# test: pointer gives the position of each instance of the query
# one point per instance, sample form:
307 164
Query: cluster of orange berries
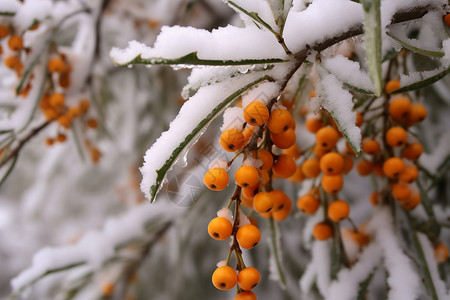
15 46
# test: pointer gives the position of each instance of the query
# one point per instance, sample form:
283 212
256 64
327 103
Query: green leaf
10 169
192 59
253 15
372 34
161 173
7 13
416 49
425 81
363 286
353 88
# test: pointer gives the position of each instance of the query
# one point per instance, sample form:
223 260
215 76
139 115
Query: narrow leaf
10 169
372 34
426 78
425 52
192 59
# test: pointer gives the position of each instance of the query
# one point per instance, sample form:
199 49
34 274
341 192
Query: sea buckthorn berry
401 191
364 167
266 157
348 164
246 176
312 94
311 168
440 253
285 166
392 85
322 231
12 62
56 65
220 228
284 140
224 278
84 106
298 175
263 177
107 289
64 121
64 80
73 112
293 151
338 210
1 50
332 183
393 167
313 124
412 151
232 140
358 237
327 137
4 31
280 120
283 213
256 113
409 174
396 136
95 155
319 151
248 278
248 132
15 43
245 295
61 138
359 119
399 109
411 202
371 147
248 236
332 163
250 191
378 170
247 201
49 141
263 202
216 179
418 113
374 198
308 204
57 101
92 123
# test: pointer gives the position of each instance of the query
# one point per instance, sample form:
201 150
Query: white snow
233 117
33 10
260 7
262 93
318 269
11 6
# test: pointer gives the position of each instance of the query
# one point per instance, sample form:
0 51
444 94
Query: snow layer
9 6
318 269
31 11
227 43
260 7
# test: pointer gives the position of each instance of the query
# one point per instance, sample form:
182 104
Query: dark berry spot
324 144
223 284
255 244
330 170
245 184
285 128
213 186
216 235
252 121
281 207
399 143
231 146
268 209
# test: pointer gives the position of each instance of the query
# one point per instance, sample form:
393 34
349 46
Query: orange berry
409 174
263 202
56 65
15 43
12 62
64 121
440 252
371 147
266 157
64 80
348 164
311 168
293 151
399 109
392 85
250 191
332 183
232 140
312 94
393 167
4 31
280 120
92 123
411 202
401 191
358 237
1 50
216 179
224 278
73 112
412 151
396 136
447 20
327 137
364 167
332 163
247 201
95 155
298 175
50 114
248 278
319 151
248 132
245 295
418 113
107 289
378 170
84 106
49 141
284 140
256 113
284 212
338 210
220 228
374 198
308 204
279 199
61 137
57 101
246 176
285 166
359 119
322 231
313 124
248 236
263 176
